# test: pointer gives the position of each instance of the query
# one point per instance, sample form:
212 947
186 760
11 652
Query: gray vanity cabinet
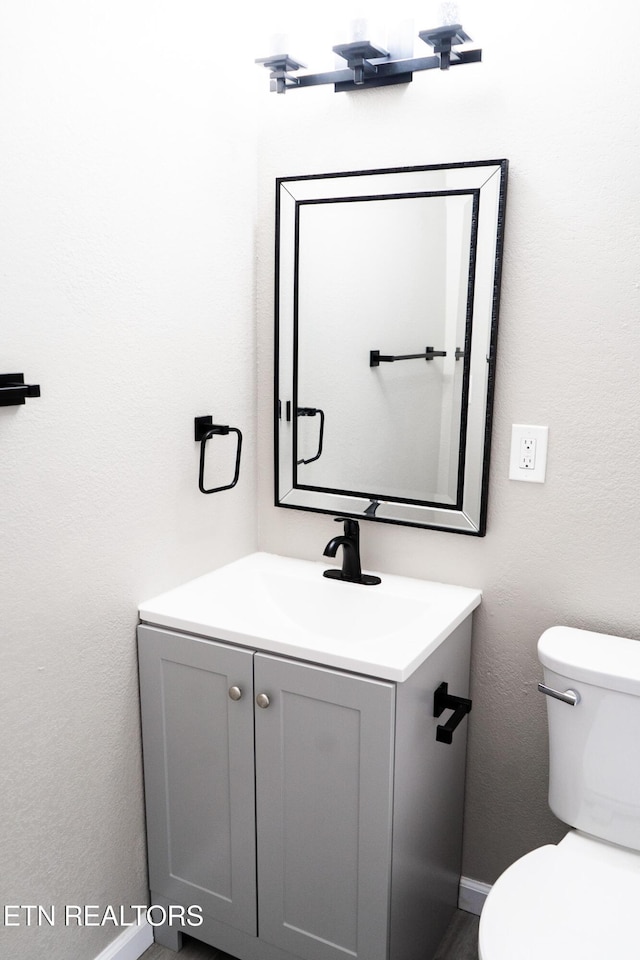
199 780
324 769
308 811
314 788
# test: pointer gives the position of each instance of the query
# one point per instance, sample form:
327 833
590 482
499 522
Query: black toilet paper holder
443 700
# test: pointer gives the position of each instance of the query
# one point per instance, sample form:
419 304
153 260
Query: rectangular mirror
387 293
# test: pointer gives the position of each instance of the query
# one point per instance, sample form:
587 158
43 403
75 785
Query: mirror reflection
387 311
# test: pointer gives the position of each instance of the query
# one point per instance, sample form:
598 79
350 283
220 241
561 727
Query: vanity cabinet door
324 782
199 773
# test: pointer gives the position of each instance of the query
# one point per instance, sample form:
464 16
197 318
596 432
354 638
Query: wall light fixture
369 65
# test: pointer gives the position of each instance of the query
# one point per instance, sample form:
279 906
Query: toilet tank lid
596 658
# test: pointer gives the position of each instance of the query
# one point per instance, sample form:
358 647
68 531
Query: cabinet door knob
235 693
263 700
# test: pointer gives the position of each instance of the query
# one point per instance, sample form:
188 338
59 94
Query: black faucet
350 542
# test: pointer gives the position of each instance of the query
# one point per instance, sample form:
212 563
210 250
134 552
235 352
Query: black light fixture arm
371 66
445 37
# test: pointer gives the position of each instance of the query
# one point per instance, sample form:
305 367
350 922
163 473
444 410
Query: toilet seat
579 898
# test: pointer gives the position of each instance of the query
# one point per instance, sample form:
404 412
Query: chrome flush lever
569 696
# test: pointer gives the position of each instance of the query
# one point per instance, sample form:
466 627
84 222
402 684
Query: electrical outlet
528 460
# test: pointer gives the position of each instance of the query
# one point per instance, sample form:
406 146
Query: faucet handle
351 527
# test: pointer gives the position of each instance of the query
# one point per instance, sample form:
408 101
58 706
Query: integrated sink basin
286 606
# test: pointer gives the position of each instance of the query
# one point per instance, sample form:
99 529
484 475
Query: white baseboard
472 895
130 945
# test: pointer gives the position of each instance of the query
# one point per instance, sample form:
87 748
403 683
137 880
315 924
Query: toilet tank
594 746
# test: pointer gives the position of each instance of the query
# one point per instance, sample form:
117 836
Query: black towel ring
204 430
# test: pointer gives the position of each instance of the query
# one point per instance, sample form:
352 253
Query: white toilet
580 898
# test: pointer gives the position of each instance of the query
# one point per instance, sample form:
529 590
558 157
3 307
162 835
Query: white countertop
285 606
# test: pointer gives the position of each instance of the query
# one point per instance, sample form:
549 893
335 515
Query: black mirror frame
468 516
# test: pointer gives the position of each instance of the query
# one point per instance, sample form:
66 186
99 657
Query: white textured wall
127 187
563 106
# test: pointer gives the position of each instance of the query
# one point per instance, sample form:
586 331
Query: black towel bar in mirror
376 358
13 389
204 429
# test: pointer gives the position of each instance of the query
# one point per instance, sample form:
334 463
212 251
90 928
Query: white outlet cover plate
520 432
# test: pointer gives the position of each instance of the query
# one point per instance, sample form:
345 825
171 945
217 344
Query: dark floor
460 942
